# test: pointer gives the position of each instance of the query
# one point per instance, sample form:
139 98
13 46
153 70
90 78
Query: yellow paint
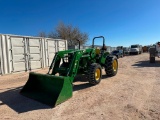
115 65
97 74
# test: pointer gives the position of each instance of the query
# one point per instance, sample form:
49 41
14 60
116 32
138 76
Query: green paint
48 89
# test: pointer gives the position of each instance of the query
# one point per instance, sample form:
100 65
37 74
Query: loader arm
69 68
72 72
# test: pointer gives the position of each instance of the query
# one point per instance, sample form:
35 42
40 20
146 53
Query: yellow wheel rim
97 74
115 65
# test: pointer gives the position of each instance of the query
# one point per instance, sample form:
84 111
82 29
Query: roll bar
98 37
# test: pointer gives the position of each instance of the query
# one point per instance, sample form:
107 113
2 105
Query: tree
69 33
42 34
53 35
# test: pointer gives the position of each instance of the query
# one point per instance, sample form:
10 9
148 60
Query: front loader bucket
48 89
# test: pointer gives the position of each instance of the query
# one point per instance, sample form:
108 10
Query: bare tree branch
42 34
69 33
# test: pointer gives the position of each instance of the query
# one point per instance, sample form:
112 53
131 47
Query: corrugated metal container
34 53
0 56
17 53
0 66
61 45
4 55
24 53
43 53
51 47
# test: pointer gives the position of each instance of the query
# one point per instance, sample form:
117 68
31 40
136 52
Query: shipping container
4 55
34 52
17 53
26 53
61 45
50 50
0 56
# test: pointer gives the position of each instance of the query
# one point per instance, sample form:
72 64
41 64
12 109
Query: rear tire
117 56
94 74
111 67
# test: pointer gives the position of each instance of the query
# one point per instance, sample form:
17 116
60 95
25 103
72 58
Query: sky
121 22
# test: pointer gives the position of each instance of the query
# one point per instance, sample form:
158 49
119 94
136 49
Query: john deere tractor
56 86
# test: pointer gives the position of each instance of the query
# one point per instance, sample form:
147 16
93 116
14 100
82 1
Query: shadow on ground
81 86
13 99
85 84
83 78
146 64
19 103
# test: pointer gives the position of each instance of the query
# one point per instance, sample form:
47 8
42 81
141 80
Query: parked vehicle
126 51
145 49
118 53
136 49
154 52
119 47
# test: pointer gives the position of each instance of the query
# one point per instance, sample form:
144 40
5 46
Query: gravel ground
133 94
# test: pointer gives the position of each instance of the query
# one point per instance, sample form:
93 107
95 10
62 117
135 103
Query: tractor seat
98 51
63 68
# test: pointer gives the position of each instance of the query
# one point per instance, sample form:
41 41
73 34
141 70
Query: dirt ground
133 94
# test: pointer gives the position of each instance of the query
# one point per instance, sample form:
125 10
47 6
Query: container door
18 54
50 50
34 53
61 45
0 57
0 66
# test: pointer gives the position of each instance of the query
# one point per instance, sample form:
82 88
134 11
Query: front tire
95 74
111 66
137 53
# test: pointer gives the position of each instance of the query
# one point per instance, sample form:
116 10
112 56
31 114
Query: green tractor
56 86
